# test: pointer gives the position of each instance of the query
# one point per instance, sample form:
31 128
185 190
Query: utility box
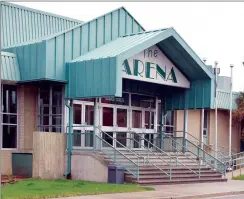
22 164
116 174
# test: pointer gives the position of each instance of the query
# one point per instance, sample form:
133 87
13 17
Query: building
118 85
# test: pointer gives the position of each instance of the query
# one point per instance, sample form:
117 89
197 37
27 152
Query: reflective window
122 117
108 139
149 120
136 119
77 116
108 116
9 120
50 114
169 122
89 115
121 139
143 101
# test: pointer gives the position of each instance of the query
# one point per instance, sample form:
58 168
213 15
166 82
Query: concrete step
180 181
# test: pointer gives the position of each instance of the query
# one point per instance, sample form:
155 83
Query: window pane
44 97
136 141
148 140
77 114
77 138
9 99
121 139
44 128
89 115
122 117
9 136
108 137
57 129
205 119
57 96
9 119
143 101
136 119
149 120
44 110
108 116
56 110
44 120
89 139
56 120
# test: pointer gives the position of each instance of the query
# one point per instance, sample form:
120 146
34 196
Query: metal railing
195 150
177 162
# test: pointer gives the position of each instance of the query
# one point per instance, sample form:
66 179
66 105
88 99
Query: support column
185 122
96 132
163 101
202 128
69 139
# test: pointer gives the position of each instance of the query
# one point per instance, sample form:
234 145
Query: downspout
67 174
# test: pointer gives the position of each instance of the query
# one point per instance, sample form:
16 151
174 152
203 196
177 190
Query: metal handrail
198 155
137 154
136 164
142 138
202 143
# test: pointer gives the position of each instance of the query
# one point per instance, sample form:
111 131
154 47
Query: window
205 123
169 122
9 106
50 115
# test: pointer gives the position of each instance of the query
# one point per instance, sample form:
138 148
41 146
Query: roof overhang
98 73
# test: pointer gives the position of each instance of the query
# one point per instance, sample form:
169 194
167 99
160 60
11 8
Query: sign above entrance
151 65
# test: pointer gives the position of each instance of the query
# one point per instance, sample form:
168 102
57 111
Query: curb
230 193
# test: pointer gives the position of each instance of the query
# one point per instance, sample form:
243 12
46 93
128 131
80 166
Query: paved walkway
184 191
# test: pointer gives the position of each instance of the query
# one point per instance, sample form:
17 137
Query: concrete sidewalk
183 191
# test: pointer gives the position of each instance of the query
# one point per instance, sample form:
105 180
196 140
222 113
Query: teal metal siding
91 78
85 38
224 99
20 24
199 96
31 59
9 67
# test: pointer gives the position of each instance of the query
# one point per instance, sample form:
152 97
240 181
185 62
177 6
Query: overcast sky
214 30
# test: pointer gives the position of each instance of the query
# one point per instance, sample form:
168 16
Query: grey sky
214 30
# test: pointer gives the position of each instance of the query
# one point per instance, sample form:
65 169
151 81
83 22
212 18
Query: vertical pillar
202 128
163 101
96 132
69 143
185 121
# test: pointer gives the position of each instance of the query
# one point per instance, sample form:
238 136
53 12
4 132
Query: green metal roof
9 67
178 52
20 24
224 99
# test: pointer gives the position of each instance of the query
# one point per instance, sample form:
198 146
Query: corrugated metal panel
20 24
85 38
31 59
92 78
224 99
9 67
199 96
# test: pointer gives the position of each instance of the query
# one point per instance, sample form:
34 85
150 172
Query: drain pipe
67 174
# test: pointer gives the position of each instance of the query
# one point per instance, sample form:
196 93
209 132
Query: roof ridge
39 11
143 32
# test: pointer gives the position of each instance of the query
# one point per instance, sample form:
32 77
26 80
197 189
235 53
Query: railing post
199 169
138 169
170 170
185 121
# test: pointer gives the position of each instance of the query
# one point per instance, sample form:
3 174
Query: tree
238 115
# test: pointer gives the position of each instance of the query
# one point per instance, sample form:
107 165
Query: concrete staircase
149 174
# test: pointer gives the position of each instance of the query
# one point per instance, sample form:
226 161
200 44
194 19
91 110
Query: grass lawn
238 177
36 188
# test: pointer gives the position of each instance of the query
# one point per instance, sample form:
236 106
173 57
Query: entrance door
83 117
205 127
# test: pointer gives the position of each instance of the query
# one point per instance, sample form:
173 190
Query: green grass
36 188
241 177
